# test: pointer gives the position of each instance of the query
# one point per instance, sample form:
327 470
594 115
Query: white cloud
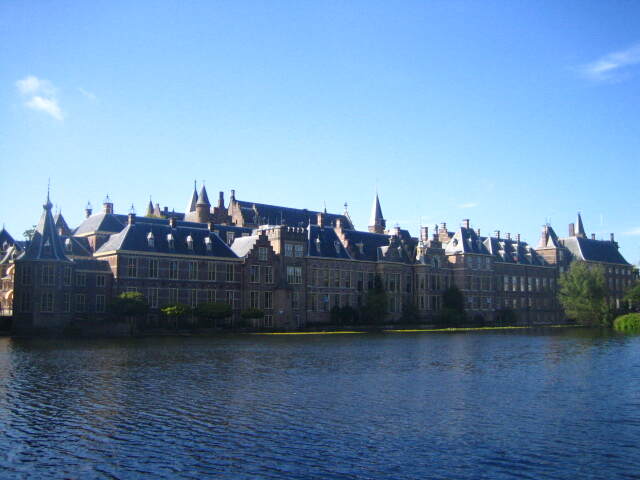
468 205
608 67
41 96
47 105
87 94
32 85
633 231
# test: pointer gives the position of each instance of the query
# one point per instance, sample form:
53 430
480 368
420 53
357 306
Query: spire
191 206
580 227
46 243
377 223
203 198
150 211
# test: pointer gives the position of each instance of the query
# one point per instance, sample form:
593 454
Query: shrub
213 311
628 323
583 293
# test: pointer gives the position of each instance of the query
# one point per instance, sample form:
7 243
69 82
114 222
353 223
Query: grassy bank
628 323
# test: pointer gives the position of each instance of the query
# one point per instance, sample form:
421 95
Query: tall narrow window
153 268
132 267
173 270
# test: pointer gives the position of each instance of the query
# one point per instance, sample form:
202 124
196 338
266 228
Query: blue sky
507 113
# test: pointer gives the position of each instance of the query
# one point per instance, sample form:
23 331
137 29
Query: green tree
28 233
176 313
582 293
129 304
375 303
211 312
453 312
410 312
632 296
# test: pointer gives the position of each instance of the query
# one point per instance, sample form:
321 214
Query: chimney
508 236
424 234
132 218
496 233
233 196
165 211
221 200
593 236
572 230
518 237
320 219
478 232
465 223
88 210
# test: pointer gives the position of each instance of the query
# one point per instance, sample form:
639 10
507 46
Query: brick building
294 264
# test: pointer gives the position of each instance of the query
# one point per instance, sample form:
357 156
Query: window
312 302
336 278
211 296
360 276
132 267
66 276
66 303
189 242
231 277
347 279
193 298
47 275
254 274
153 297
170 241
294 275
153 268
192 270
173 296
295 300
80 302
232 297
262 254
254 299
81 279
46 302
26 276
173 270
100 303
101 280
268 274
211 271
268 300
268 321
288 250
207 243
325 278
230 237
298 250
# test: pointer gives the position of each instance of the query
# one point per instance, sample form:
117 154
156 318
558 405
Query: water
546 404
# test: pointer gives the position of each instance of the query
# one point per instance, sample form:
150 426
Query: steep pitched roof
203 198
466 240
590 250
46 243
61 224
5 237
512 251
241 246
261 213
323 242
580 227
134 237
193 200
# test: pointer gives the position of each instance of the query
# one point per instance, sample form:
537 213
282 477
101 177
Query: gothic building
294 264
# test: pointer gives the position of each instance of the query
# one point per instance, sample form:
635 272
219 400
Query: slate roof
376 217
466 240
263 214
5 237
89 264
590 250
114 222
241 246
45 243
61 224
134 237
376 246
511 251
323 242
79 246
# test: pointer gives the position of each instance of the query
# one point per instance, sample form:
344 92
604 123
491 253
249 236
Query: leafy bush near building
129 304
453 312
582 294
633 296
252 313
628 323
209 313
176 314
375 306
344 315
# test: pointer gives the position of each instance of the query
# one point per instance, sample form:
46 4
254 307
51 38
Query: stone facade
293 264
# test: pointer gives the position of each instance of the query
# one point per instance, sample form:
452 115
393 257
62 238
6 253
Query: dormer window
171 241
455 242
230 237
189 242
207 243
360 246
151 240
67 245
318 244
336 244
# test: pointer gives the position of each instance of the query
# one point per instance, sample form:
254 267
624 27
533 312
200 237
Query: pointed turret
191 206
580 228
150 209
203 207
61 225
45 243
377 222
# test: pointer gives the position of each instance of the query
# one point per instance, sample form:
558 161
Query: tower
203 207
377 223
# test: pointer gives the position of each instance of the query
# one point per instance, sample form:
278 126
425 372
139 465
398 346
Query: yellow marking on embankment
418 330
304 333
